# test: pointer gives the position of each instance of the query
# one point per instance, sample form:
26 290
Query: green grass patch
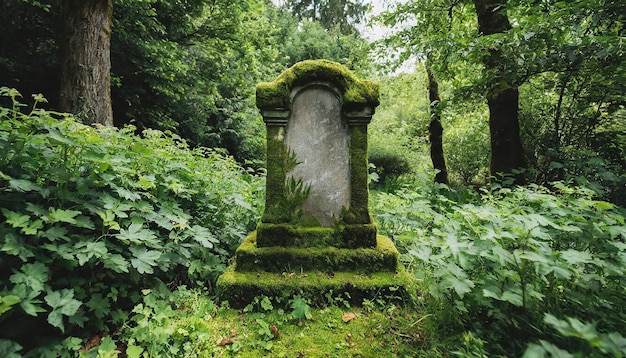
187 323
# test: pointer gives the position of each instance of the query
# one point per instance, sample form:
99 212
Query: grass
190 324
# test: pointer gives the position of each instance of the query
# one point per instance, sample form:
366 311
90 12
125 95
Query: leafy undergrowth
186 323
516 271
90 216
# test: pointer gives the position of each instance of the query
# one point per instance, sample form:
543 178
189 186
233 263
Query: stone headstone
316 115
316 237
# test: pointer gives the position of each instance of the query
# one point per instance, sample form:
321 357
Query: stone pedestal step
382 258
240 288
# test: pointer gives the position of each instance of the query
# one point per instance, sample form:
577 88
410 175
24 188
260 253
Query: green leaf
86 250
99 305
133 351
63 304
60 138
460 286
107 348
16 248
301 310
33 276
16 219
266 304
137 234
22 186
575 257
7 302
9 349
116 262
33 227
60 215
144 260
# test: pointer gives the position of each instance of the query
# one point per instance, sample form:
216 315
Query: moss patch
240 288
356 93
382 258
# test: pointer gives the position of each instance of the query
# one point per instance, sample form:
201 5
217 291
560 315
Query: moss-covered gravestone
316 236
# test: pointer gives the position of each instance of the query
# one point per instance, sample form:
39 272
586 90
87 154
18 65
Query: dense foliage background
120 230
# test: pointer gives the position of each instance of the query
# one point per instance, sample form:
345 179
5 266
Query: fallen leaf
226 341
275 331
233 332
349 338
348 316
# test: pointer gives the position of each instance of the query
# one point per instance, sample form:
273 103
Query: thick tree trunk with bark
85 60
507 154
435 130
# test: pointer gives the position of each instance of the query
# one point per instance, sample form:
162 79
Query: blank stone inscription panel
319 137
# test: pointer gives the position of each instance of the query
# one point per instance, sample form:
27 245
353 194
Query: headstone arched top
356 94
316 115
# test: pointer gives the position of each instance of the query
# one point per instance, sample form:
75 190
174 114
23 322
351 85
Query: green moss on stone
356 93
359 198
291 235
240 288
382 257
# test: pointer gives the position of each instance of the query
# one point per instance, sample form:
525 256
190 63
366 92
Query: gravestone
316 234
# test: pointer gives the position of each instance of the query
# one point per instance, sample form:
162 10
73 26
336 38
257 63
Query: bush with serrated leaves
90 215
526 270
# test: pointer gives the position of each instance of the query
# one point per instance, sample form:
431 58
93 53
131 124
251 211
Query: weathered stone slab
317 134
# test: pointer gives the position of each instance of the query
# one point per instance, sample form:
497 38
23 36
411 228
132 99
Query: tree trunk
85 60
507 155
435 130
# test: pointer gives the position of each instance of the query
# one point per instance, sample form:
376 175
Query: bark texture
85 60
507 154
435 130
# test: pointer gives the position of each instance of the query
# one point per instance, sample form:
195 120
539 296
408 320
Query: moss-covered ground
190 324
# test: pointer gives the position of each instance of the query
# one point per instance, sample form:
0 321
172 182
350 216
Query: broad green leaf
16 248
534 257
60 138
144 260
7 302
60 215
22 186
63 304
16 219
32 307
116 263
33 227
107 348
127 194
133 351
9 349
55 232
33 276
301 310
575 257
512 297
99 305
137 234
86 250
84 222
266 304
460 286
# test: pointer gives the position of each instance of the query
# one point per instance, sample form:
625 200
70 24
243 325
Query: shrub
520 269
90 216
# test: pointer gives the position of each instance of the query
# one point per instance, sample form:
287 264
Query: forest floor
329 332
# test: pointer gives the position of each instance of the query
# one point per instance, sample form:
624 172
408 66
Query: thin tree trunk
435 130
507 155
85 60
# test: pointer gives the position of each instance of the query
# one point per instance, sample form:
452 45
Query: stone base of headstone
317 274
